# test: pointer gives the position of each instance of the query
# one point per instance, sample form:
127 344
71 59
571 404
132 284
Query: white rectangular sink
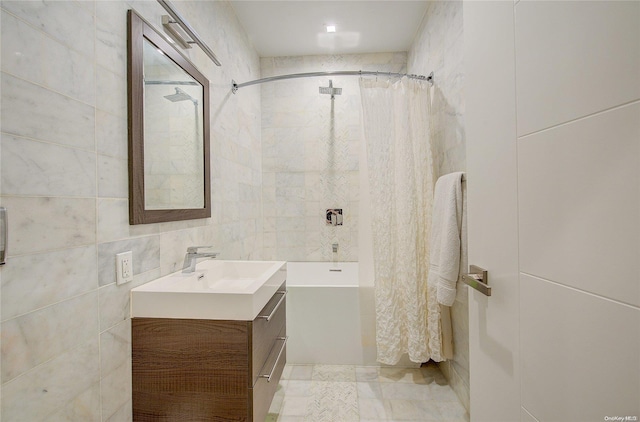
217 289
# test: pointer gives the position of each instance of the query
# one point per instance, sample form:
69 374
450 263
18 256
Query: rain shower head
330 90
180 95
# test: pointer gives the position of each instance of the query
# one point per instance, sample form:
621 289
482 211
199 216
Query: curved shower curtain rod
235 86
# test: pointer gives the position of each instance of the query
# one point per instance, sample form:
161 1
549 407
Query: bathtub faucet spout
334 246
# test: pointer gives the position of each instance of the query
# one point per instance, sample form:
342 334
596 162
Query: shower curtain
396 130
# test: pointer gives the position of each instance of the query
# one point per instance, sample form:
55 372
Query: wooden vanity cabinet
208 370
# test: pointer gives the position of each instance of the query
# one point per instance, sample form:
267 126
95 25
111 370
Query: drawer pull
5 231
284 343
268 317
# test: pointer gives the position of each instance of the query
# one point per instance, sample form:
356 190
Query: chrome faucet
191 258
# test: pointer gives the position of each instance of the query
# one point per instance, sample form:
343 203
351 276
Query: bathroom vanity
194 357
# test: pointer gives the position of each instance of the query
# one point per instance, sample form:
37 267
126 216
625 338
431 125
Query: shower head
330 90
180 95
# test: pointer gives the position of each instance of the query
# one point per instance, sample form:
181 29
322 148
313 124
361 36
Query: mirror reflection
173 148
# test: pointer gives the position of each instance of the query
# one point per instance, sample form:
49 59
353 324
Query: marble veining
51 20
32 282
53 385
114 300
109 96
113 177
48 223
338 393
111 41
36 168
313 142
64 180
115 389
25 47
84 407
45 110
113 221
111 131
115 346
36 337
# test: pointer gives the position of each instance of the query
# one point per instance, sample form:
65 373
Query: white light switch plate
124 267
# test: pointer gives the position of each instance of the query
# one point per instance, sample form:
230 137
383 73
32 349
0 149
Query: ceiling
297 27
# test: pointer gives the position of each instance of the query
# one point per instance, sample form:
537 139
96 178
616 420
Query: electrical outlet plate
124 267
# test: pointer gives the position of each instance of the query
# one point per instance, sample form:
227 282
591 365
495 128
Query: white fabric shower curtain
396 129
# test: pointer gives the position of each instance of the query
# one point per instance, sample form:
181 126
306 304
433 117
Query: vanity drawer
208 370
265 331
264 389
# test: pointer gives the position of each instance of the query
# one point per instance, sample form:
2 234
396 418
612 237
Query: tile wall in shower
310 155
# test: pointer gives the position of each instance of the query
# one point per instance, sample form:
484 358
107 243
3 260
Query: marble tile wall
438 47
311 148
65 340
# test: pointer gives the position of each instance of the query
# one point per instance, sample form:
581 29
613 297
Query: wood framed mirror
168 101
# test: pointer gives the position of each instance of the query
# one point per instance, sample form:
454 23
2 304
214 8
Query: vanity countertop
217 289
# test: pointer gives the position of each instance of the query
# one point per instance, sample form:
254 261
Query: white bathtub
323 313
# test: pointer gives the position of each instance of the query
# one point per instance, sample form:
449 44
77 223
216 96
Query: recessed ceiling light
331 28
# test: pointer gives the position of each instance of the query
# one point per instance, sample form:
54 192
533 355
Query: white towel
445 237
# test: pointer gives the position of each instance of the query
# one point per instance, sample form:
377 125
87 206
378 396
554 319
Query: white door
553 186
492 209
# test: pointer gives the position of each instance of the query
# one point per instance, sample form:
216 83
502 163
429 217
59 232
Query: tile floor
344 393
